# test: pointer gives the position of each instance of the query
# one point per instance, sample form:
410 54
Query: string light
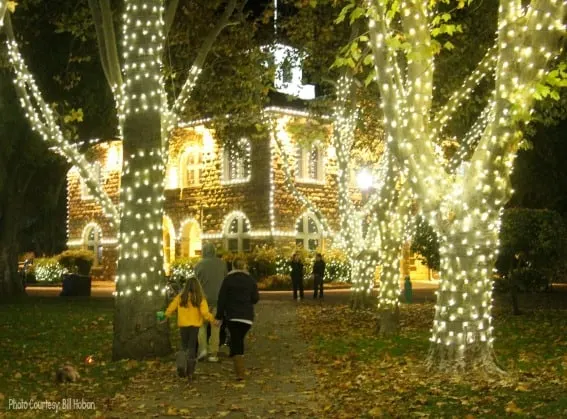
462 199
44 122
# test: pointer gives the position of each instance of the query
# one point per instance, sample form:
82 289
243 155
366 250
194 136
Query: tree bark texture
389 297
140 277
11 284
462 334
363 268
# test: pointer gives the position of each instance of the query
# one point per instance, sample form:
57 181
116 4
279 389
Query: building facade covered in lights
235 197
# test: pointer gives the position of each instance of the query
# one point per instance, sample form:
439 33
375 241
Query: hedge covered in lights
48 270
267 264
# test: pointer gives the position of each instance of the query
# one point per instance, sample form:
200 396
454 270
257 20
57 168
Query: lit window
190 240
308 232
86 192
237 234
168 243
191 167
93 242
310 164
236 162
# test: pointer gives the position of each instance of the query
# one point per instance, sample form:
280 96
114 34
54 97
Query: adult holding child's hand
237 296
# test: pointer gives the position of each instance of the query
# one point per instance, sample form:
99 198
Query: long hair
193 292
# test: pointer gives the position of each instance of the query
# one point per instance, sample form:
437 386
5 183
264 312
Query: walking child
192 310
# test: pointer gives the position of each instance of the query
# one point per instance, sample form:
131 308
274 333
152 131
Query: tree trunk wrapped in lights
462 205
145 121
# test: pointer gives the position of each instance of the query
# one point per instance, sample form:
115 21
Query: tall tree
464 204
145 120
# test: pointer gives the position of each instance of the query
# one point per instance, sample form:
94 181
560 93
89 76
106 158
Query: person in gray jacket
210 271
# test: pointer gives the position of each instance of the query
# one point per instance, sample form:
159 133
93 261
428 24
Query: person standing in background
297 272
210 271
318 275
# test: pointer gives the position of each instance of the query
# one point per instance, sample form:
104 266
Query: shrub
262 262
532 251
48 270
275 282
76 261
337 267
183 268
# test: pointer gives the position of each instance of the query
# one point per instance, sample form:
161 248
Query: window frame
242 165
303 164
305 236
95 243
196 168
240 236
86 194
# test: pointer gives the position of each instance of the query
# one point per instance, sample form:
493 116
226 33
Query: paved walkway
423 290
281 381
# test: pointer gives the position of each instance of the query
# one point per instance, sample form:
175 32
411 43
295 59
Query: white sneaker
202 355
213 359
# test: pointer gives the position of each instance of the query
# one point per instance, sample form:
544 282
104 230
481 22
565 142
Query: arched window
309 166
191 166
308 232
190 239
86 193
236 162
168 243
92 240
237 233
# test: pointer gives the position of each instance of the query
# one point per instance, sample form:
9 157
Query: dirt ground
280 383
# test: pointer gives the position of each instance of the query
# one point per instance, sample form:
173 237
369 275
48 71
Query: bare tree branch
106 37
3 7
43 121
169 15
199 61
289 182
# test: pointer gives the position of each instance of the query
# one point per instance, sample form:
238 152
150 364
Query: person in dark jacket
297 272
318 275
237 296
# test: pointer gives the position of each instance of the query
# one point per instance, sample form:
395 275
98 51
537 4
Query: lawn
367 376
38 335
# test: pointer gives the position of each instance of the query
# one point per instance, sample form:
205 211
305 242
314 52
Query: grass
38 335
368 376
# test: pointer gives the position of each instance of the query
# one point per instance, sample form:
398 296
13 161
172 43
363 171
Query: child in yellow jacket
192 309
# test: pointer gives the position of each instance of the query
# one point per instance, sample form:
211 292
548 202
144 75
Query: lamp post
364 181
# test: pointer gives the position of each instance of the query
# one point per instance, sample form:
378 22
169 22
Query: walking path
281 381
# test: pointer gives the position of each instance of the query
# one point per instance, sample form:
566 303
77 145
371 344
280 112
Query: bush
48 270
183 268
275 282
262 262
76 261
337 267
532 252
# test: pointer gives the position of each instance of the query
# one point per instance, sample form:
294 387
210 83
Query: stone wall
212 201
83 212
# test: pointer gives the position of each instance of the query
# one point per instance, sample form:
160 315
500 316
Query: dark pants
223 335
237 332
297 285
189 342
318 286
